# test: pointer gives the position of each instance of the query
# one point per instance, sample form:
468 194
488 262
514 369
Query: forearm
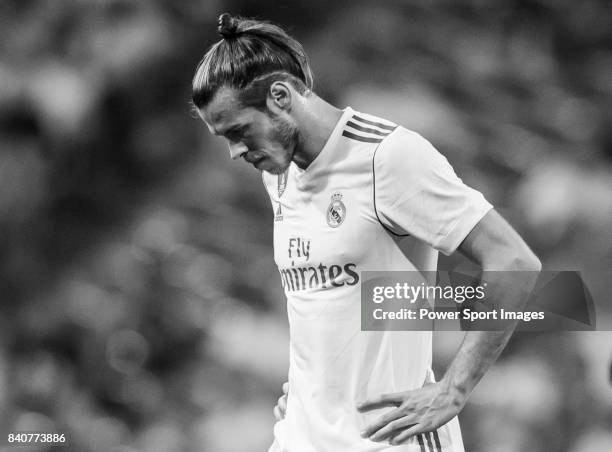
480 349
477 353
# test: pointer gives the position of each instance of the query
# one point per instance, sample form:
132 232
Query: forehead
224 110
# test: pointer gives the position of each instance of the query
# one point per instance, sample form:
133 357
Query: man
352 192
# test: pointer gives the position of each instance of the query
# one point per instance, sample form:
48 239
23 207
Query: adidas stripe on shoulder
367 130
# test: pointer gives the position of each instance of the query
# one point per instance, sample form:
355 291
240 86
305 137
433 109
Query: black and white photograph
257 226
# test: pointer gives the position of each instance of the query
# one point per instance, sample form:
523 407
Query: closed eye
235 133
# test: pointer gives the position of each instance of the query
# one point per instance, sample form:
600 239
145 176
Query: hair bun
227 26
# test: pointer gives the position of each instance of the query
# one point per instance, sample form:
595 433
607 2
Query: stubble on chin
278 169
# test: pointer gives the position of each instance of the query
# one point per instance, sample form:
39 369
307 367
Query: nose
237 149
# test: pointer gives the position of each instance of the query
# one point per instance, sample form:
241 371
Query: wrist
457 393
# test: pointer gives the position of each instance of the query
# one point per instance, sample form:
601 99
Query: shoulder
392 140
408 152
366 128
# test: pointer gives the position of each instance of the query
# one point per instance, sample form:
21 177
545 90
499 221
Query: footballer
352 192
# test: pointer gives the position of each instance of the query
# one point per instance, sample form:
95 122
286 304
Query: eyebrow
230 129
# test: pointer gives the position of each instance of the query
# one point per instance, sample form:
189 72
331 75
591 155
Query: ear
280 97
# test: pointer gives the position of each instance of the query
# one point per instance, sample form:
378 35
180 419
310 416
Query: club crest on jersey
336 211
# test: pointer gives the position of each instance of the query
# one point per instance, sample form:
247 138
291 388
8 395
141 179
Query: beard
286 135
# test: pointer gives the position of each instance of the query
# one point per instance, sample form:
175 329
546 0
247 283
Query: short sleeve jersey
377 197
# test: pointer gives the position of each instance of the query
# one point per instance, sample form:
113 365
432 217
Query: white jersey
377 197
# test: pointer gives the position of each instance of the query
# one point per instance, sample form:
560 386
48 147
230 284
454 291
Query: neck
317 120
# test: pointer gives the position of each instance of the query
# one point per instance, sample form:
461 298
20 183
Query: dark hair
250 57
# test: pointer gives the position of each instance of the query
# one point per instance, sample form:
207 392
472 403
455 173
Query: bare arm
510 269
495 246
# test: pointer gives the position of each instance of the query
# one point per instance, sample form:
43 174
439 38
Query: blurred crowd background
140 307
